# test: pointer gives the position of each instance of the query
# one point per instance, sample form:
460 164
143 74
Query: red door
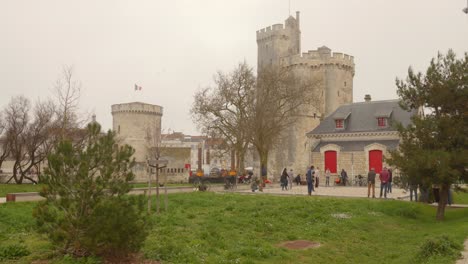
375 160
330 161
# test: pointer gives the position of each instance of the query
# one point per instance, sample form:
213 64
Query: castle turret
278 41
134 123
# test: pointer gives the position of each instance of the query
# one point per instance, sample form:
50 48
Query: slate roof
362 117
358 145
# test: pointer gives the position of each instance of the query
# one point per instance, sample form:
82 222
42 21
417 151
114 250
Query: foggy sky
173 48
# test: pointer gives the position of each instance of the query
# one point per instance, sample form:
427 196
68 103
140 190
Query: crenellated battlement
320 57
291 24
137 107
272 31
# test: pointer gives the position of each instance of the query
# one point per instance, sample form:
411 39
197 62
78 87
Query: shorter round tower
135 123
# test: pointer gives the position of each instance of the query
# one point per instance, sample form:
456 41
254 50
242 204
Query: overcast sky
172 48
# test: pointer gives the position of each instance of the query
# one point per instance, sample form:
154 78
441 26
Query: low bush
12 252
441 246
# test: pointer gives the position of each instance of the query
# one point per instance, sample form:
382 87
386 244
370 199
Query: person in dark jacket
310 180
344 176
371 183
284 180
383 182
390 179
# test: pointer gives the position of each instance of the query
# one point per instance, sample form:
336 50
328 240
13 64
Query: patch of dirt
341 216
132 259
299 244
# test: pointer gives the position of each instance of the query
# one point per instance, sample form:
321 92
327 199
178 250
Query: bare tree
155 150
67 90
224 110
281 99
28 137
4 142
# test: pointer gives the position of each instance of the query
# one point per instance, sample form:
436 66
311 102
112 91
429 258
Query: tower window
118 130
345 84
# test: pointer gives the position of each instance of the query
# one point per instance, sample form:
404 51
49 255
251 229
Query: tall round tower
134 123
332 73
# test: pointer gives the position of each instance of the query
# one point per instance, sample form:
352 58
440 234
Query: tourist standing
284 180
310 180
290 178
317 177
327 177
390 179
344 176
413 189
383 182
371 183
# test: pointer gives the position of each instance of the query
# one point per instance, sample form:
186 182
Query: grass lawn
16 188
460 197
232 228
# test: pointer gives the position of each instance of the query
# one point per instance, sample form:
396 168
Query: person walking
371 183
310 180
290 178
327 177
390 179
413 189
383 182
344 176
317 177
284 180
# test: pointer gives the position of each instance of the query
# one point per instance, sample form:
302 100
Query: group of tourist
386 179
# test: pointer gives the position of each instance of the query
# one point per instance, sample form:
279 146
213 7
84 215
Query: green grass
16 188
231 228
460 197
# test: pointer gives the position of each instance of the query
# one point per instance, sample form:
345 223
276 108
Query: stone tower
133 123
280 45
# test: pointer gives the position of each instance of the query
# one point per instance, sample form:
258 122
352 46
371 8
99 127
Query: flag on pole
137 88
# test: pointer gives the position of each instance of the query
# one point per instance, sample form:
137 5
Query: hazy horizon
172 48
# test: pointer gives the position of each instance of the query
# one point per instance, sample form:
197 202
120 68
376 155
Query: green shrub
15 251
86 212
439 246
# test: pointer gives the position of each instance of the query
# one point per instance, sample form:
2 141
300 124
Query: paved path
338 191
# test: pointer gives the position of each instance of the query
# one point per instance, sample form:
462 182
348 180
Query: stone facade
281 45
177 157
133 122
354 133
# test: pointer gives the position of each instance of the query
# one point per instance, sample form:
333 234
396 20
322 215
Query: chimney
367 98
297 17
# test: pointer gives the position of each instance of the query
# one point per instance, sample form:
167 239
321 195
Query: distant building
357 136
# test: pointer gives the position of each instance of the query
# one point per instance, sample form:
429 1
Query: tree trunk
149 189
442 202
263 168
31 179
157 190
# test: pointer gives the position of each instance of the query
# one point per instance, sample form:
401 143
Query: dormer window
382 121
339 123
